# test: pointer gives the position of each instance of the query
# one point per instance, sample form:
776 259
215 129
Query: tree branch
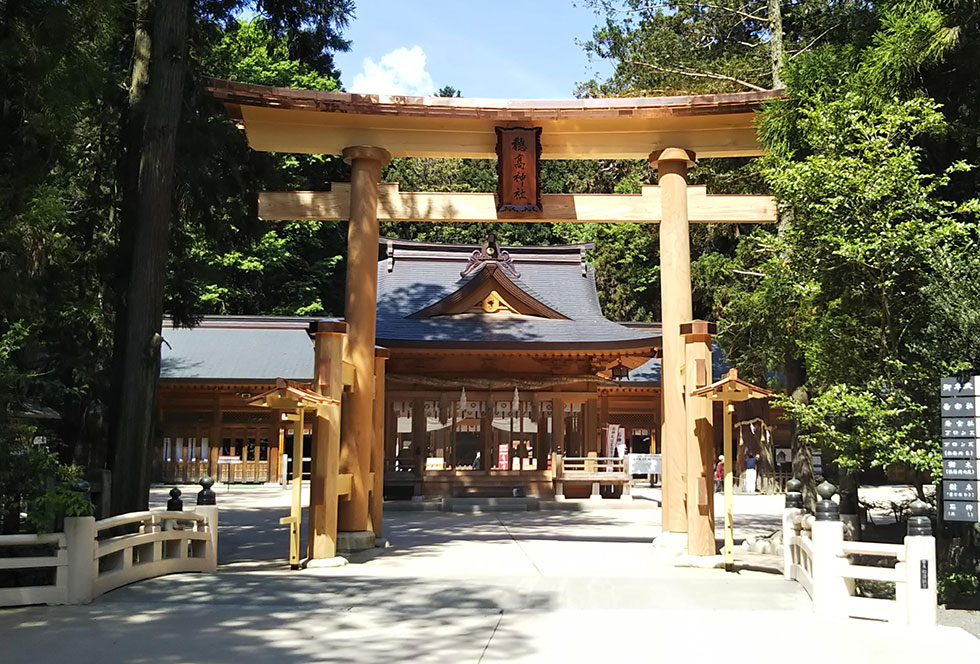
815 40
697 74
665 4
751 17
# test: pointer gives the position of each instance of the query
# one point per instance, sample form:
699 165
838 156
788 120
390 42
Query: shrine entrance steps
482 505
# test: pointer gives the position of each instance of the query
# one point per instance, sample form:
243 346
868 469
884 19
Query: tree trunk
148 236
802 454
127 177
776 42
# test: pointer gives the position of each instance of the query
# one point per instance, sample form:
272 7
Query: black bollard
794 493
827 509
919 523
206 496
175 504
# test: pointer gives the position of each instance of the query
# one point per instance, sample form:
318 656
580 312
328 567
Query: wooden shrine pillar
590 427
700 439
672 165
381 356
328 380
558 426
360 305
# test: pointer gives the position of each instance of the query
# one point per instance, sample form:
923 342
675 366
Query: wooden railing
594 470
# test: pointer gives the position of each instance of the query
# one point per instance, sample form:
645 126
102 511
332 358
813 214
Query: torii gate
367 130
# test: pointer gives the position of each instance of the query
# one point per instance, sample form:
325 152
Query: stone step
479 505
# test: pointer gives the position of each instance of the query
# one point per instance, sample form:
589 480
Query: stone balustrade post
207 507
80 539
829 587
792 513
920 568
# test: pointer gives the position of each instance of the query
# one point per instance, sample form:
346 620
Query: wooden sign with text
518 169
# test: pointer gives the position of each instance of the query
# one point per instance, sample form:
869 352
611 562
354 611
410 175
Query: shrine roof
310 121
416 276
245 348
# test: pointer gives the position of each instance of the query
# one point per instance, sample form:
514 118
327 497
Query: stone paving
582 586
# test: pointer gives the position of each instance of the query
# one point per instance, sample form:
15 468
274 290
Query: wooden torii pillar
730 390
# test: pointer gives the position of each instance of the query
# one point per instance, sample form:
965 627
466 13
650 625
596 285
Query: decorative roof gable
491 290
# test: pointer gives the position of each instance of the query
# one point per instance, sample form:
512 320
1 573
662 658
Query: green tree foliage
680 46
225 259
64 69
866 291
59 69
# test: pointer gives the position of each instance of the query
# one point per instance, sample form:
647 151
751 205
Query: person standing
750 473
719 473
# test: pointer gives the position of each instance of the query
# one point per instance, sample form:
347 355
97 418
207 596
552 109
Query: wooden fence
594 470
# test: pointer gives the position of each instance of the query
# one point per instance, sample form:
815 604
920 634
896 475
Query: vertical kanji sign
518 169
960 404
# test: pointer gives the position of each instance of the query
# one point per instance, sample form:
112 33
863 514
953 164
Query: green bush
956 587
33 481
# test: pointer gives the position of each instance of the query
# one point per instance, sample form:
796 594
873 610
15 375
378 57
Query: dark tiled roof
649 371
422 274
238 348
265 348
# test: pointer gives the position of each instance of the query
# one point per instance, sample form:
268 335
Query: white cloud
400 72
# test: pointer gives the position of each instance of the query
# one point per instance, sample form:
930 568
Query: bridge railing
92 557
832 570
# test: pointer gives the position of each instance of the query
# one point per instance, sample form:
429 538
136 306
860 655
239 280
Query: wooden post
729 409
328 344
420 432
590 431
700 439
216 442
296 505
378 451
558 426
360 311
675 294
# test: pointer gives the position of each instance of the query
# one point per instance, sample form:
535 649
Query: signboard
960 449
960 469
229 459
959 427
503 456
960 490
960 410
518 169
954 510
644 464
612 435
959 406
954 387
817 464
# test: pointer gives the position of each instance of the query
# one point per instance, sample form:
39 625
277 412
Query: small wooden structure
286 397
728 391
593 470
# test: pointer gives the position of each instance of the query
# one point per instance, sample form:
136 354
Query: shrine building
487 344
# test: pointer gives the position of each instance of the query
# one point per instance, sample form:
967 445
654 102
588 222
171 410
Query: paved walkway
506 587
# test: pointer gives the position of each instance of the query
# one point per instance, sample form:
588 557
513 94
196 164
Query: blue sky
500 48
